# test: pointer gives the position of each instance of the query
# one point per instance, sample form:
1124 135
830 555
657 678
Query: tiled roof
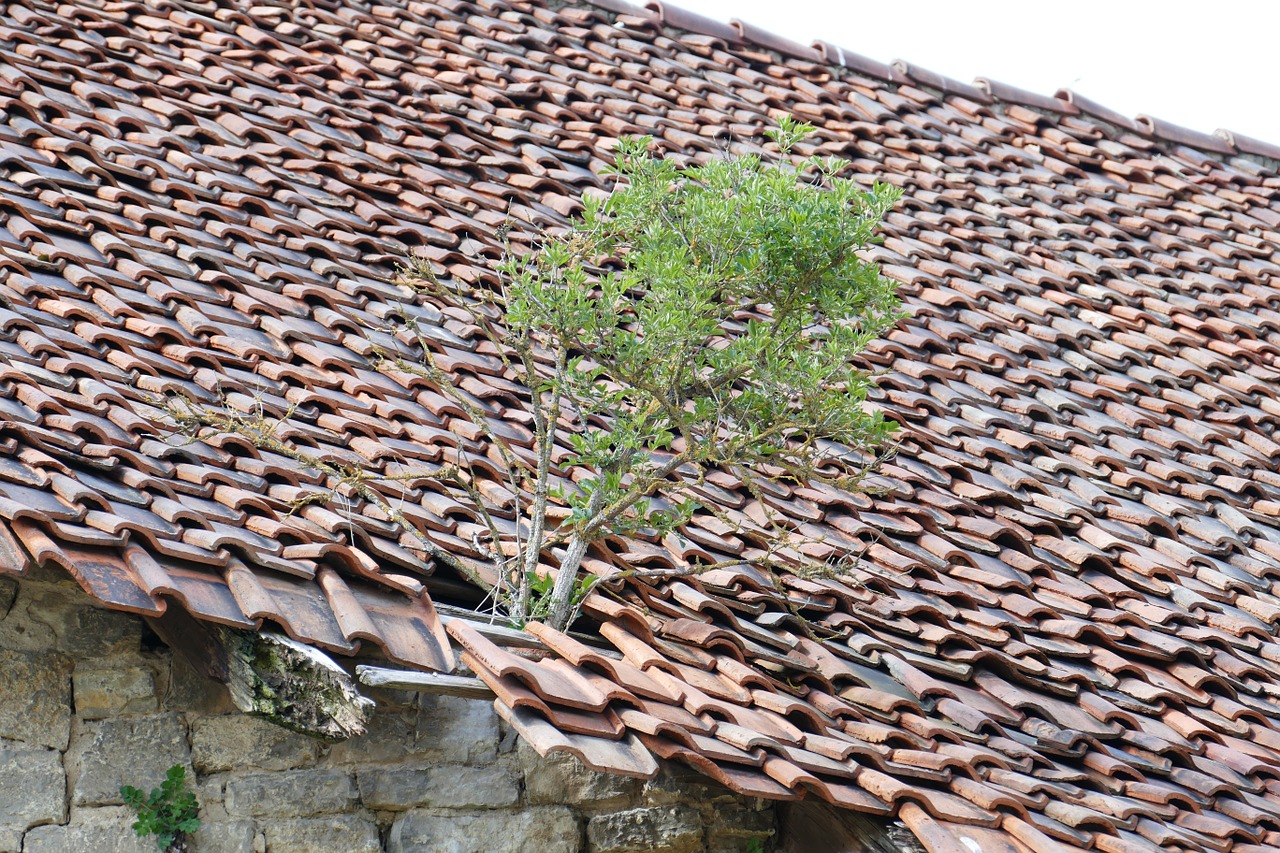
1061 632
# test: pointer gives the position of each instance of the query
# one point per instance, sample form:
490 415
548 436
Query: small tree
697 318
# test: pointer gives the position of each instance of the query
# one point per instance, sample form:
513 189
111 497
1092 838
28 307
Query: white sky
1202 65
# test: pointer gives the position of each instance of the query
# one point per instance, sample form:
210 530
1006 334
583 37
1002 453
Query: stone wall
90 701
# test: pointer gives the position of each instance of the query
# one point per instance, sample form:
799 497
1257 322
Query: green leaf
168 812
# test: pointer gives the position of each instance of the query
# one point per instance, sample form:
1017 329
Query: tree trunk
566 584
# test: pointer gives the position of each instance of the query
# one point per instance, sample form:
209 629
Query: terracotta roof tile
1061 630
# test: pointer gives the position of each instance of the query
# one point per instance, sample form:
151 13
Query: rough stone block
35 698
546 830
457 730
291 793
443 786
135 751
665 829
561 778
346 833
209 791
223 837
108 830
33 789
390 738
446 729
238 741
109 692
89 632
393 788
733 818
676 784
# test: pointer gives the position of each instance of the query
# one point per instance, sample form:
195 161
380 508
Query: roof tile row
1053 624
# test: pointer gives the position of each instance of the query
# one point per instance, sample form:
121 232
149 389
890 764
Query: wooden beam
271 676
514 637
499 635
424 682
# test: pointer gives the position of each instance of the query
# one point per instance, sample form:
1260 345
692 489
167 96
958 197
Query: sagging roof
1060 631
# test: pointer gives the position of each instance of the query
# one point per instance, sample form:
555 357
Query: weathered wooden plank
271 676
503 635
498 634
424 682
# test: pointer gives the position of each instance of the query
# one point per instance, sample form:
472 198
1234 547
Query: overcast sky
1200 65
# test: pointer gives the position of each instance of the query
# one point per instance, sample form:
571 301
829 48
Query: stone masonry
90 701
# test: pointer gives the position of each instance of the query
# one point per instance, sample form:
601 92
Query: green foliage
169 812
542 598
698 318
662 353
754 845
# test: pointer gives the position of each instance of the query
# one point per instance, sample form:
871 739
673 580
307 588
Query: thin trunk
567 577
545 424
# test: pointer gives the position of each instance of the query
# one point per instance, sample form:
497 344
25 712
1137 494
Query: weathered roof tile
1055 628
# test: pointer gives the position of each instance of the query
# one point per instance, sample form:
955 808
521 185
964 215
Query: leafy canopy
701 317
662 348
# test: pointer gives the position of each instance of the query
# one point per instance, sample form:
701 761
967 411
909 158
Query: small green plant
542 591
169 812
754 845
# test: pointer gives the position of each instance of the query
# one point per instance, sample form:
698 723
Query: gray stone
209 794
108 692
665 829
390 737
461 787
736 816
457 730
447 729
678 784
89 632
35 698
291 793
238 741
345 833
393 788
108 830
33 788
544 829
734 822
223 836
561 778
135 751
443 786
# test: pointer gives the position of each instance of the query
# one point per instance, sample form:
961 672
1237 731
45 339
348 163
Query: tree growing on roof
696 319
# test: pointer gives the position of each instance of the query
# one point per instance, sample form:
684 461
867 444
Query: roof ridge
984 90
